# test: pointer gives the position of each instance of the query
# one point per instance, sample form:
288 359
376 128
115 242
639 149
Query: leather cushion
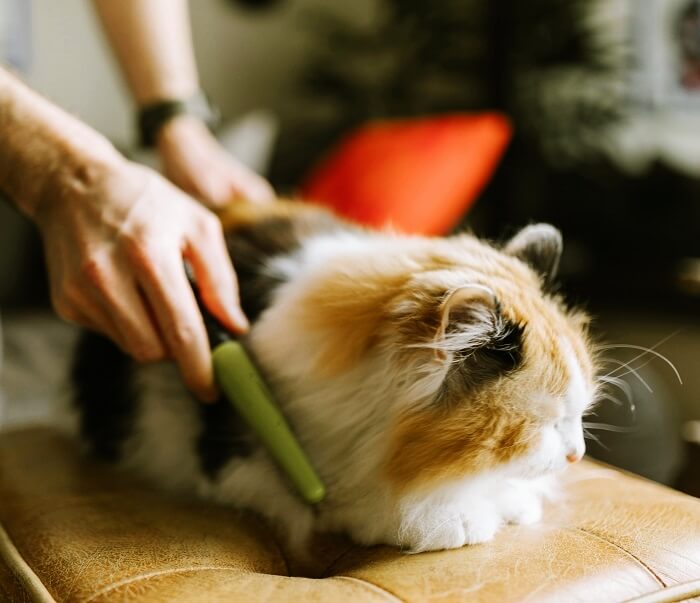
91 534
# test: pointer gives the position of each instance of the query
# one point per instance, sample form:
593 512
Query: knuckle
138 243
143 253
183 336
209 223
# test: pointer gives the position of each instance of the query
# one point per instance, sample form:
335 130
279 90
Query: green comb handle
243 386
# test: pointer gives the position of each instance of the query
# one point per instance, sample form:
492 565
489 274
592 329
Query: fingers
117 306
97 318
215 276
195 161
250 186
162 277
103 298
221 183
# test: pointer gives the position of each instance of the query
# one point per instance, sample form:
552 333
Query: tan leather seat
76 530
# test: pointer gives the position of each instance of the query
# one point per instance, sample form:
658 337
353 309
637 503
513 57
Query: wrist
154 117
178 131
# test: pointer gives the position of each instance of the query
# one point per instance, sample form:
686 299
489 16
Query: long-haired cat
431 381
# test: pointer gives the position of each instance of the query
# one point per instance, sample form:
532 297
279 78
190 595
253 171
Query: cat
433 382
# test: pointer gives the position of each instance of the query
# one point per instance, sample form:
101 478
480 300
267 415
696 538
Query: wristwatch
153 116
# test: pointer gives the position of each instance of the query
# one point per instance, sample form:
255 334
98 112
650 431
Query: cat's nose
575 450
574 456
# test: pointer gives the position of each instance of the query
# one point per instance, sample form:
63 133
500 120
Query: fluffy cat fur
433 383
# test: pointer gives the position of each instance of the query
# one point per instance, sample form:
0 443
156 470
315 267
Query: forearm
152 40
42 148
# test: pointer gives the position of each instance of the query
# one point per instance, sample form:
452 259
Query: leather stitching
23 572
688 591
624 550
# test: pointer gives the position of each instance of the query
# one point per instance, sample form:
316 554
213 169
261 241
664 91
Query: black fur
475 368
104 394
540 247
502 355
251 245
224 436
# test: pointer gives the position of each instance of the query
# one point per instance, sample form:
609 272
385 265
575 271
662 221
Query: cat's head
453 348
512 370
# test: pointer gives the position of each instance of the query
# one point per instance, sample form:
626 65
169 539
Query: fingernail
234 319
239 318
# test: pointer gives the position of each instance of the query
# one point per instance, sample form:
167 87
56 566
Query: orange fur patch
350 313
431 446
242 213
501 422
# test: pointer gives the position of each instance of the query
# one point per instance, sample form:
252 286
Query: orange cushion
419 176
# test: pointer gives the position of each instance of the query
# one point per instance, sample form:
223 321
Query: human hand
195 161
115 237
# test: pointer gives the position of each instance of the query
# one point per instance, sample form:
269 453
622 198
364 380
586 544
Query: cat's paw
449 527
481 522
519 503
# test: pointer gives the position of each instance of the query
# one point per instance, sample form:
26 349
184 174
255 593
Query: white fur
468 512
578 398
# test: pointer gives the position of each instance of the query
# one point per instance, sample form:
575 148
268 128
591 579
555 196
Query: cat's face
511 372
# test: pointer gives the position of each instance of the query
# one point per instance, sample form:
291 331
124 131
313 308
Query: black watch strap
153 116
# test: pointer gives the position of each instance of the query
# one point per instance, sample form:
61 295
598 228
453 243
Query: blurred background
603 102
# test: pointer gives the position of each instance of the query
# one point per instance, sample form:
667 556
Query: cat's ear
540 247
467 317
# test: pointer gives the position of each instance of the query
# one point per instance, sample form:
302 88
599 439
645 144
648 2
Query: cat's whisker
607 427
630 370
591 436
616 401
620 384
645 351
623 386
